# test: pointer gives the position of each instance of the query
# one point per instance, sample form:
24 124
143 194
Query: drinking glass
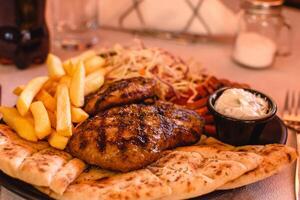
74 23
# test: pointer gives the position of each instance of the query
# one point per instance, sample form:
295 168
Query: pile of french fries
49 106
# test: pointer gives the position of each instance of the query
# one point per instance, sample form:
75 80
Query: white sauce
241 104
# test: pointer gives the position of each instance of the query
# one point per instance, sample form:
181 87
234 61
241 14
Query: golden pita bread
275 158
37 163
66 175
140 184
182 173
191 174
44 165
14 150
177 175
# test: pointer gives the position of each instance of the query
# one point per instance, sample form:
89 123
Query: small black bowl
239 132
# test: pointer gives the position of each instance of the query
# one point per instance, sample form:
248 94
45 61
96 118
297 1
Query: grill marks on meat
132 136
125 91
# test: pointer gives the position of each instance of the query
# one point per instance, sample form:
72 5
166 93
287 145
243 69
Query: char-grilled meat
125 91
132 136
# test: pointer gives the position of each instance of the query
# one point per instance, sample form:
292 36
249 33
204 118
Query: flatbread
179 174
36 163
14 150
275 158
140 184
66 175
182 173
44 165
191 174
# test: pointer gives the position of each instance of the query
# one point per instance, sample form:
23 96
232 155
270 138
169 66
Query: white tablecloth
215 57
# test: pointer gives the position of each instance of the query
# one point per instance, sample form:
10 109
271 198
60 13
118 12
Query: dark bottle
24 36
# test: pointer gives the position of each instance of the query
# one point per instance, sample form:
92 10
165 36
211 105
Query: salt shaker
263 33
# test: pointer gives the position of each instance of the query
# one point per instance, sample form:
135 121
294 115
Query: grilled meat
125 91
132 136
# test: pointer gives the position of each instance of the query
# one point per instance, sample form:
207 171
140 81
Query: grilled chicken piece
125 91
131 137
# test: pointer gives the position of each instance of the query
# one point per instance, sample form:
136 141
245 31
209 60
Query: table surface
216 59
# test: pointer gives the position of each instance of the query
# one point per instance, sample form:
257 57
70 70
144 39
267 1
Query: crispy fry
31 89
77 86
21 125
94 81
78 115
63 111
69 66
198 104
58 141
52 118
54 65
93 63
48 101
18 90
85 55
202 92
202 111
42 124
214 82
208 88
65 80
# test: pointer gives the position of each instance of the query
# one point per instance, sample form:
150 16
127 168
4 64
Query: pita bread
14 150
140 184
66 175
275 158
191 174
44 165
177 175
93 173
28 160
182 173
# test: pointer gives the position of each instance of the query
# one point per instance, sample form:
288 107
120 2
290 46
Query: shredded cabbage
172 73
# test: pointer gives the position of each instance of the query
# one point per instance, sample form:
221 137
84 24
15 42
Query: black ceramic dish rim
272 110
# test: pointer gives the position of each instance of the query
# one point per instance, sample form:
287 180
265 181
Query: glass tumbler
263 34
74 23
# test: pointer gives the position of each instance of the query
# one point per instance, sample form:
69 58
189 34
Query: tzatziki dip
241 104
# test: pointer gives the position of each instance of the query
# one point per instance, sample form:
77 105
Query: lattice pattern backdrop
174 18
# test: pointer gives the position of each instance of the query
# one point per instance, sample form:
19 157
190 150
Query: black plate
274 132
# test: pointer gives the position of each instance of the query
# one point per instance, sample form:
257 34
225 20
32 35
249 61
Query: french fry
42 124
78 115
54 65
58 141
29 92
63 111
49 84
77 86
21 125
65 80
93 63
52 118
18 90
87 54
69 66
94 81
48 101
29 117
